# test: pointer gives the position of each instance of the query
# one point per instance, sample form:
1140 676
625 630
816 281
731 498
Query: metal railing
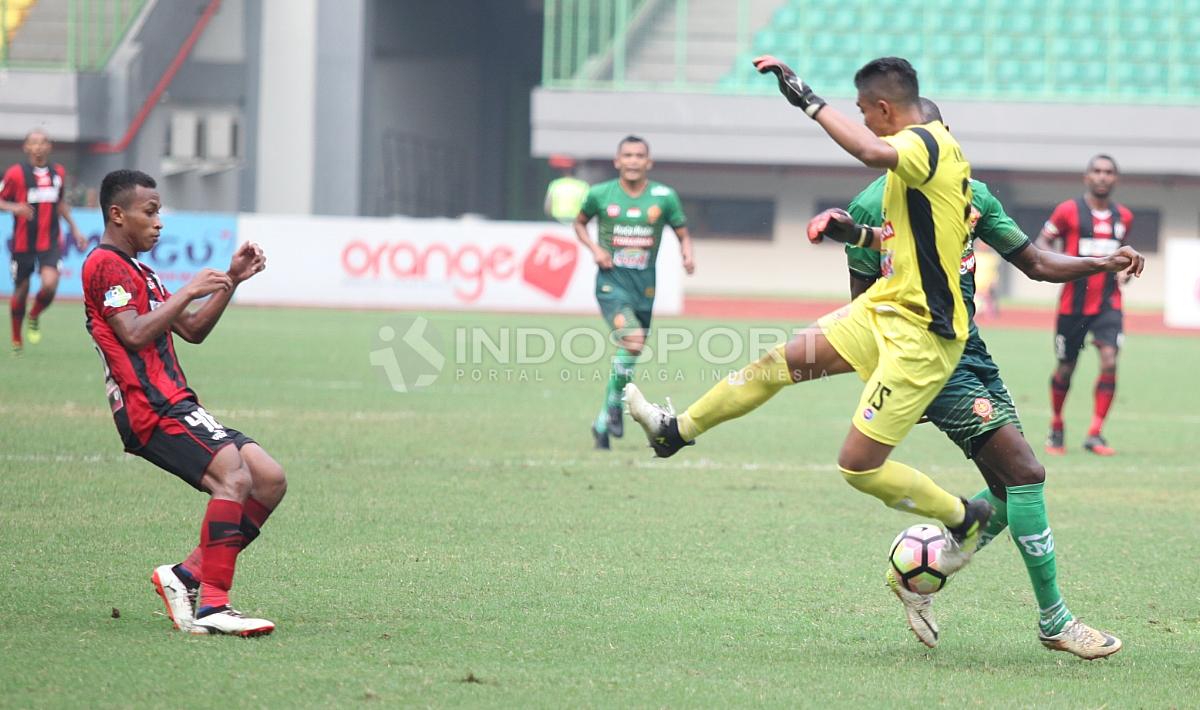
1104 51
71 35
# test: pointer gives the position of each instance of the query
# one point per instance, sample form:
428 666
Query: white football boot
918 607
963 540
1082 640
659 423
180 601
230 621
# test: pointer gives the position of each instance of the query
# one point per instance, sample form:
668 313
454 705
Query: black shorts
1106 327
23 265
186 440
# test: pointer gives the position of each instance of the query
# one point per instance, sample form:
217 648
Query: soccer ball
916 558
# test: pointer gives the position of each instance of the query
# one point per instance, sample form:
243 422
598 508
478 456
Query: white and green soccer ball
916 558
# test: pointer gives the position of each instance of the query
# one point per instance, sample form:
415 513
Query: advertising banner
465 264
1181 302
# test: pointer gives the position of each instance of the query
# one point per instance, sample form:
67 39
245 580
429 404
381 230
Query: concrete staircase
45 37
712 42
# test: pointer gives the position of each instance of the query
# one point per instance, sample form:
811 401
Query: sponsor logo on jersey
117 297
633 230
633 212
868 414
660 191
888 231
640 241
967 266
653 213
885 265
613 211
983 408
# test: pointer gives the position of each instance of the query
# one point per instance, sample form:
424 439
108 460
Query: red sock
41 302
1058 397
254 514
17 309
1106 388
221 538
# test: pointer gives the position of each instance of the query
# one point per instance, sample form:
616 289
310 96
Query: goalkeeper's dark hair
930 111
889 78
1103 156
116 186
633 139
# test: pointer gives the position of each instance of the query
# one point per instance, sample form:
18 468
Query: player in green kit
630 212
975 410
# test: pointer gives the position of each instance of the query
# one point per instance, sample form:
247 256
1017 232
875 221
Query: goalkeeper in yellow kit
904 335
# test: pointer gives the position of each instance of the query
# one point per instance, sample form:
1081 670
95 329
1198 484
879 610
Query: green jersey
630 228
989 222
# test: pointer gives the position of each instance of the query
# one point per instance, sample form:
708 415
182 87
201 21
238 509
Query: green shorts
634 312
974 400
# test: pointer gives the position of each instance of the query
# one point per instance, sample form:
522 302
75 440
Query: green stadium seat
787 17
1019 23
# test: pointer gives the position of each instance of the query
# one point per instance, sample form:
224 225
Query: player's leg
630 340
22 270
48 275
1107 334
808 355
617 309
1070 332
1009 457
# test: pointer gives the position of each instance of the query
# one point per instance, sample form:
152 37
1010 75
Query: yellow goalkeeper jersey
926 220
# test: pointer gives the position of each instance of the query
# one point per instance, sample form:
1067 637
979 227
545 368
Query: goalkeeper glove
791 86
838 225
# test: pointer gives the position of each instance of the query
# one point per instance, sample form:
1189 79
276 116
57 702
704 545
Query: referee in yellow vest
565 194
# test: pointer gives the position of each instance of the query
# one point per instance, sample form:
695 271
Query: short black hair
117 183
1103 156
891 78
633 139
930 110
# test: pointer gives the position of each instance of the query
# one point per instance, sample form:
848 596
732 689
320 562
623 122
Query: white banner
1181 305
466 264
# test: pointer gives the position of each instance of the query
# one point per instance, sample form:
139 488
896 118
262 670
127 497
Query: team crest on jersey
633 212
614 211
887 232
116 297
974 219
653 213
983 408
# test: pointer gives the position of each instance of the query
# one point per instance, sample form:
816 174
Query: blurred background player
1091 225
34 190
564 194
904 335
976 412
987 280
131 316
630 214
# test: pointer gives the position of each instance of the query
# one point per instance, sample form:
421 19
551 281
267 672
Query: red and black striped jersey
42 188
1088 232
141 384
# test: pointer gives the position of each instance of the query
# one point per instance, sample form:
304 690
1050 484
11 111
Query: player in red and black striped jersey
131 317
33 191
1091 225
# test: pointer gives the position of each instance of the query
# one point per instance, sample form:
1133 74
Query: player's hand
793 88
208 281
838 225
23 210
80 240
603 259
247 261
689 264
1126 260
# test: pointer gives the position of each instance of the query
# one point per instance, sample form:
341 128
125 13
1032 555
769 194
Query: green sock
622 373
1030 530
997 522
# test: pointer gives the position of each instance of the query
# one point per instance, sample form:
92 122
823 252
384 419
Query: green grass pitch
462 545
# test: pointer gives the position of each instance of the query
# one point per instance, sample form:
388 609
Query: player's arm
7 204
64 211
194 326
603 258
685 248
136 331
1045 265
854 138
